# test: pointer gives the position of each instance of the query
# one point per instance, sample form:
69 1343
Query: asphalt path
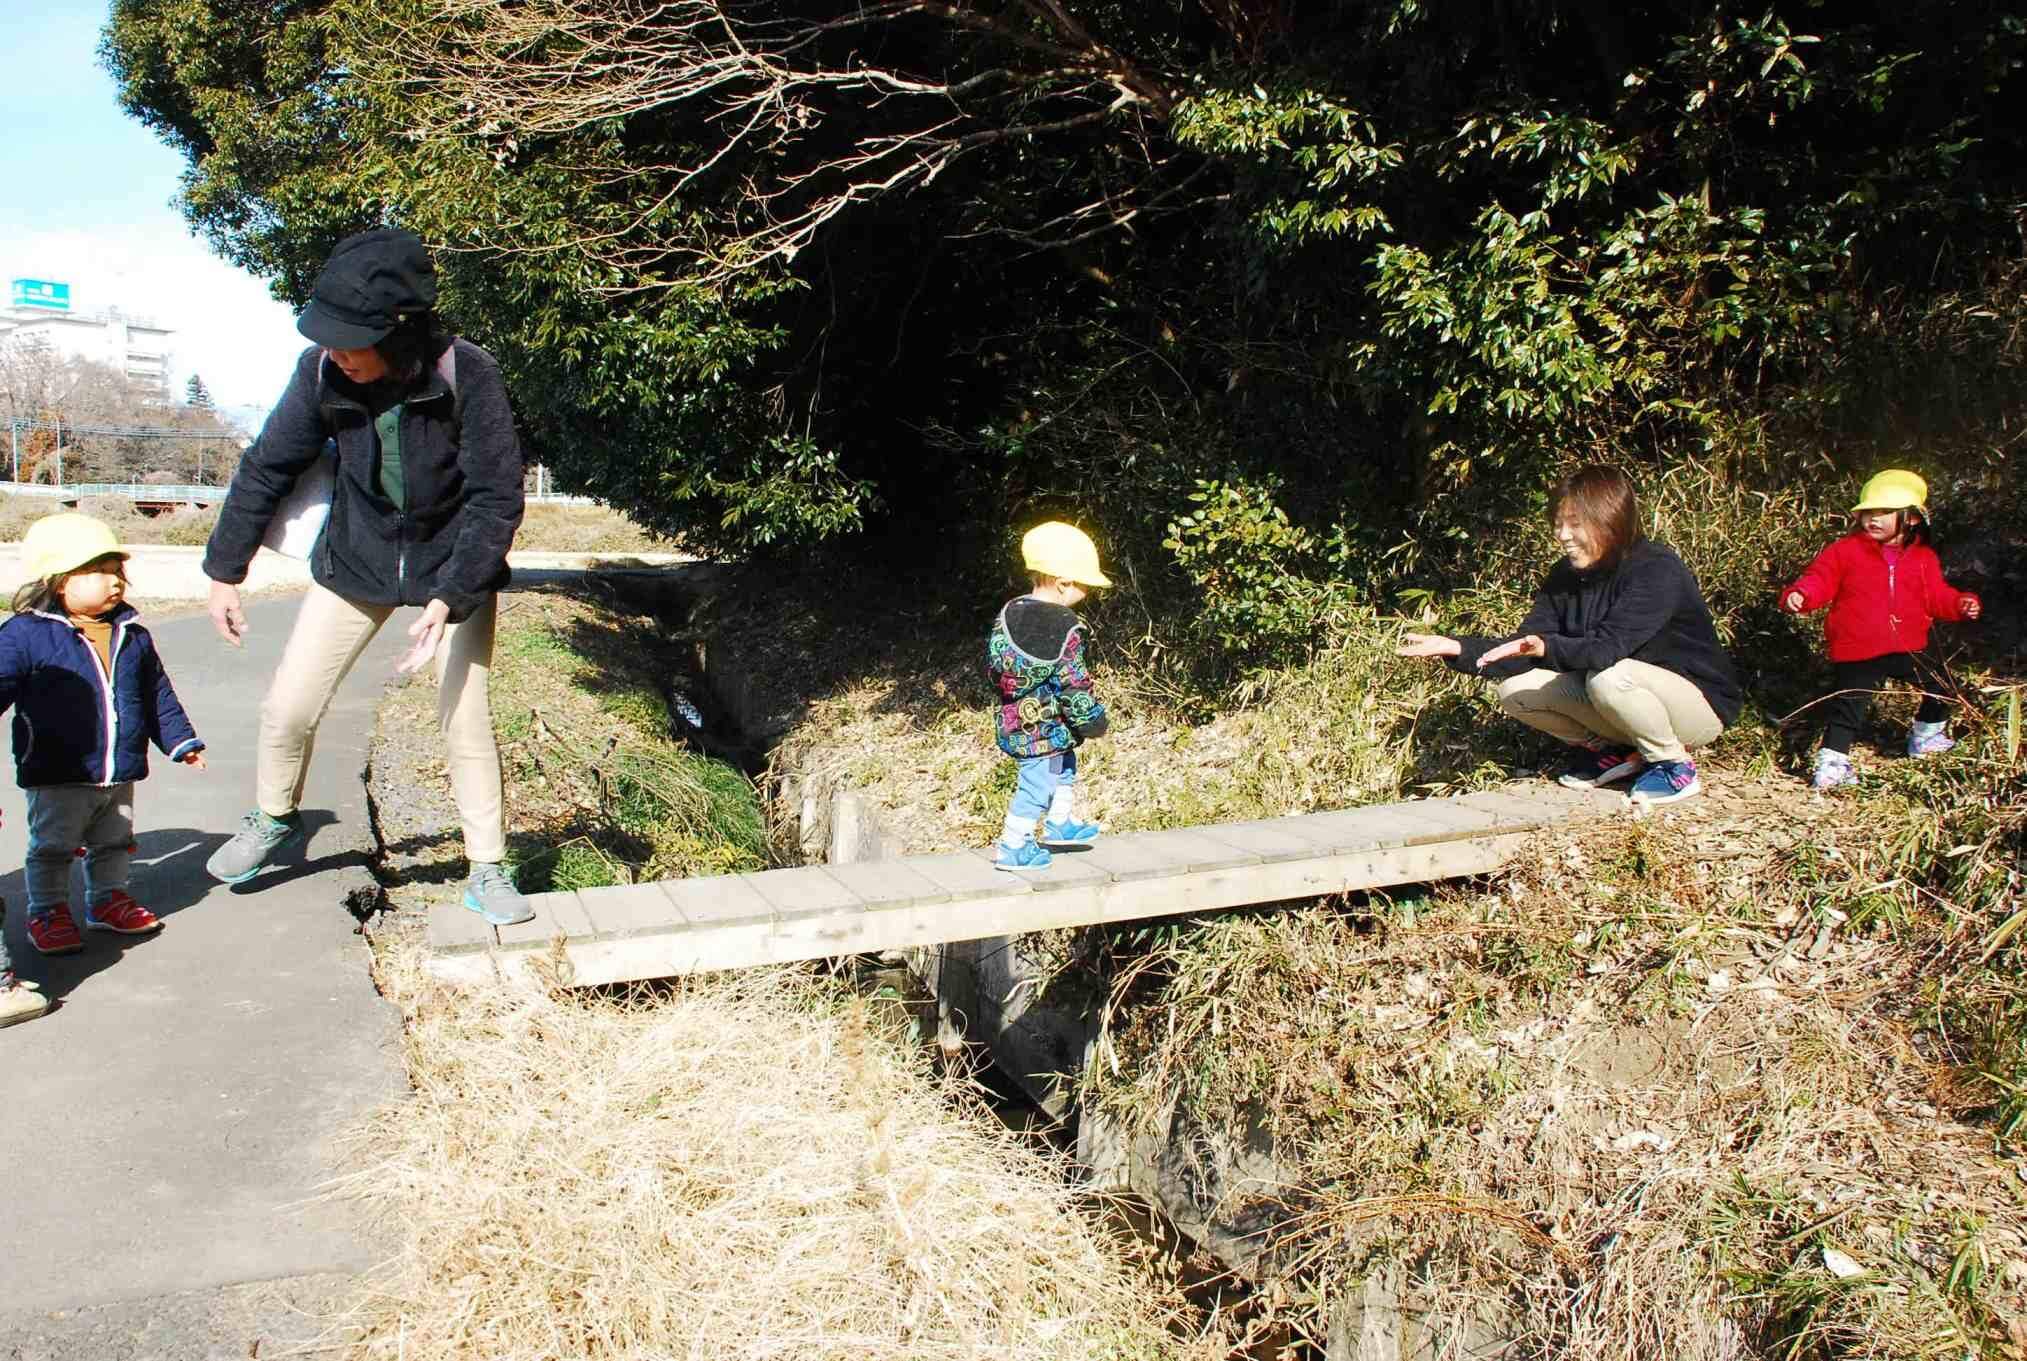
168 1125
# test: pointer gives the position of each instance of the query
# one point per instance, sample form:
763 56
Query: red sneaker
53 932
122 914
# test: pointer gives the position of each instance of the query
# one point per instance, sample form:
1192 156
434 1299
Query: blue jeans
1039 776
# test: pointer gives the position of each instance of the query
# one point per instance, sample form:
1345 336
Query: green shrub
1263 582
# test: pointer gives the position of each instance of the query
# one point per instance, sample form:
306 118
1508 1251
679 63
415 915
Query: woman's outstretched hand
226 615
1427 645
1527 646
427 633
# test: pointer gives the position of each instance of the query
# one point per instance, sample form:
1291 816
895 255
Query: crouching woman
1618 657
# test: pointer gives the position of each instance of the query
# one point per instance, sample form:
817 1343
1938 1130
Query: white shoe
1833 771
21 1002
1928 739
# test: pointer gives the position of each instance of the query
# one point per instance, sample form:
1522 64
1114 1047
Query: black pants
1857 682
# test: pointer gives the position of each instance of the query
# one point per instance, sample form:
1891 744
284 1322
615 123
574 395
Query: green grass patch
604 793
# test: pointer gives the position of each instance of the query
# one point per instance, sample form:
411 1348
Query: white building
40 310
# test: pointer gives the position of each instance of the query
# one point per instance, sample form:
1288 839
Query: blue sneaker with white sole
1068 832
1665 782
1026 856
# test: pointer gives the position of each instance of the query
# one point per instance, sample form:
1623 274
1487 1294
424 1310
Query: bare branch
771 127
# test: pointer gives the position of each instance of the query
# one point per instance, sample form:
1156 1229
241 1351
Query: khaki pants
1650 707
330 633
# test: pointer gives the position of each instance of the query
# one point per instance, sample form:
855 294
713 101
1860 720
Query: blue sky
85 198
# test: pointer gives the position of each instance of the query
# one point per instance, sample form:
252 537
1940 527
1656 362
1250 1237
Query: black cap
371 282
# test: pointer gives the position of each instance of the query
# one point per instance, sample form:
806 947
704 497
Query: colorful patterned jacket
1045 701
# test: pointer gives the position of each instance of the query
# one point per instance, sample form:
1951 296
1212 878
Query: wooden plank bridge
682 926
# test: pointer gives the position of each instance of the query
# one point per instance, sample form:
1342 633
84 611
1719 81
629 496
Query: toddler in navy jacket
88 693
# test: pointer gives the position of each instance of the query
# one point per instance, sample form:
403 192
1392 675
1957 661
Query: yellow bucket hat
1894 489
61 543
1059 550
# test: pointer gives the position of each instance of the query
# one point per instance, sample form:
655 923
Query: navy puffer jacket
70 725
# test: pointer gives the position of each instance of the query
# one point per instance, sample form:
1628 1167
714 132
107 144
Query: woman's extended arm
1427 645
1495 658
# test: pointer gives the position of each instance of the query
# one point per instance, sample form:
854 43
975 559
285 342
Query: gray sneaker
256 842
491 894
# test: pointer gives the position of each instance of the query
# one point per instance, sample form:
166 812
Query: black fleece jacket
1648 607
462 481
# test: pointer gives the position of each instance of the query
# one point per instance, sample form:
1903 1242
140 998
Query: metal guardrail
132 491
193 493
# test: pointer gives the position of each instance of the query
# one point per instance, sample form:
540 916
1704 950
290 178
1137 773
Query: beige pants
1650 707
330 633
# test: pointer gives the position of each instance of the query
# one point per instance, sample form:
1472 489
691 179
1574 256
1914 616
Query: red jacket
1876 609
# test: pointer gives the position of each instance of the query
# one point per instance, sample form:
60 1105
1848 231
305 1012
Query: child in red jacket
1883 584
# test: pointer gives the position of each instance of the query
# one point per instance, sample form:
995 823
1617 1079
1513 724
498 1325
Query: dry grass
915 736
751 1165
186 527
552 528
1670 1088
742 1167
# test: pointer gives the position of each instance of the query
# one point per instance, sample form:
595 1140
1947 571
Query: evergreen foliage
1371 268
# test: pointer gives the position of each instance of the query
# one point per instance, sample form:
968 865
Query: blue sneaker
1026 856
1665 782
1928 739
1068 832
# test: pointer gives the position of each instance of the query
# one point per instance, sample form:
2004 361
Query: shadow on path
168 878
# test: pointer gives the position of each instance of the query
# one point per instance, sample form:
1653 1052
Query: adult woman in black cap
425 501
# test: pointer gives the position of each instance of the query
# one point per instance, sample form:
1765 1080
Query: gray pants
1635 704
64 818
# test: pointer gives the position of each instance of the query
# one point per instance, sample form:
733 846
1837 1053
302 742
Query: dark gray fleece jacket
461 473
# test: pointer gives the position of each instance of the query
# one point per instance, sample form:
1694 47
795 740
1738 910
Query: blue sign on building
51 297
